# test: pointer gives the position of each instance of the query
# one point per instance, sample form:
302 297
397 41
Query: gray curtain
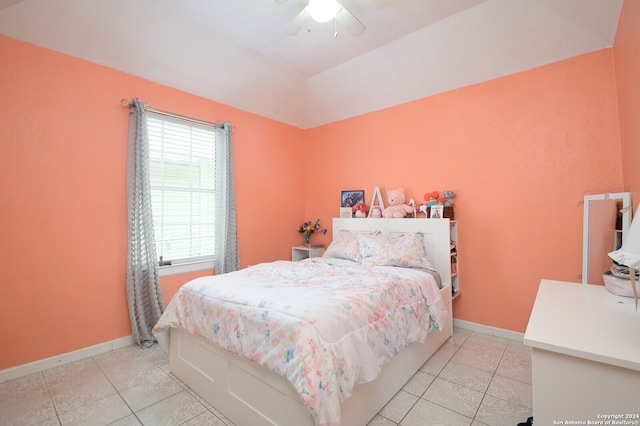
146 302
227 255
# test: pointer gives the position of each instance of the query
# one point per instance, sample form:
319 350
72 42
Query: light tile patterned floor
474 379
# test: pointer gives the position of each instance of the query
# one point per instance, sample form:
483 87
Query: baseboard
493 331
58 360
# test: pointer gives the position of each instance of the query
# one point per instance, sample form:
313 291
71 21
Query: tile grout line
451 359
493 374
185 388
484 394
104 373
46 384
431 384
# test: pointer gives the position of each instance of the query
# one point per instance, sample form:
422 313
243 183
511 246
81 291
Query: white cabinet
303 252
585 355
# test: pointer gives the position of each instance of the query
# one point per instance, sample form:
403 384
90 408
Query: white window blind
182 173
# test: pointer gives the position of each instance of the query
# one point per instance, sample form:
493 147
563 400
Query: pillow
406 250
344 246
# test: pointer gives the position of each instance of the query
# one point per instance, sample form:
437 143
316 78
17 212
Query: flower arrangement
309 228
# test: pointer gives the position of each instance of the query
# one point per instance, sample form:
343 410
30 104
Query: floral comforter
324 324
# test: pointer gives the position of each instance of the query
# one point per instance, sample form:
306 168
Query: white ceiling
236 51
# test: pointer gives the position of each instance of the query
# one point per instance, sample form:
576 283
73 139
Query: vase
307 237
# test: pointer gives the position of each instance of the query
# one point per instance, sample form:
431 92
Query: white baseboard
58 360
493 331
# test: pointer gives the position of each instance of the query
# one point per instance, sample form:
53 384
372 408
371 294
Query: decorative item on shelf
397 207
309 228
414 210
435 199
375 211
360 210
436 211
346 212
431 199
448 203
629 254
448 212
351 198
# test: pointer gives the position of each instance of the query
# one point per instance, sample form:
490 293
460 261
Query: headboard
436 233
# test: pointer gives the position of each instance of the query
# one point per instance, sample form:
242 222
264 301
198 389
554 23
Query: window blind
182 173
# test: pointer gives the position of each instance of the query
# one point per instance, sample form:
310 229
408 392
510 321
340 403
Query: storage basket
619 286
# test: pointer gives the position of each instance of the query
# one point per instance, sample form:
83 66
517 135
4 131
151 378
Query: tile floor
474 379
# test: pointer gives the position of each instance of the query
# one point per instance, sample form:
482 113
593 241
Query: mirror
607 218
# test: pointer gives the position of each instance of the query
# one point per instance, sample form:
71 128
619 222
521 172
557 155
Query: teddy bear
397 207
448 197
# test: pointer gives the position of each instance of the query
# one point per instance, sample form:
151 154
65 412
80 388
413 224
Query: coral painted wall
520 152
627 60
63 219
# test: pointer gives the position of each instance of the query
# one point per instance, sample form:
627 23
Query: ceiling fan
325 11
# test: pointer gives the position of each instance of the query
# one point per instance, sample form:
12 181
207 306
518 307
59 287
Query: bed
250 388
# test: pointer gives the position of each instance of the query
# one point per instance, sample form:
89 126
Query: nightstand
302 252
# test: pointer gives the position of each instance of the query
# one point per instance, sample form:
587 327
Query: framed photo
351 198
437 211
346 212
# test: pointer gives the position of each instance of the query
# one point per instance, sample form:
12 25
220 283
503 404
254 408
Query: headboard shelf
437 236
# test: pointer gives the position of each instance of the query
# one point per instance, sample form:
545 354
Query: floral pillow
405 250
344 246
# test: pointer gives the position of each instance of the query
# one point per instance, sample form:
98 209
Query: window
182 174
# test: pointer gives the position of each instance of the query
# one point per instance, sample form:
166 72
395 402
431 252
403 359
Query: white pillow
406 250
345 246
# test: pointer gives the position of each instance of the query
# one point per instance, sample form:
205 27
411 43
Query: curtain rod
127 103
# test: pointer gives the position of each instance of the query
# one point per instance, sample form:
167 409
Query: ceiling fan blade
298 22
350 22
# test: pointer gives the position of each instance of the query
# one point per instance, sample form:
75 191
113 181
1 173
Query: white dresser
586 355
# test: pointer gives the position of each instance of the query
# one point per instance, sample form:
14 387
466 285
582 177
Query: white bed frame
250 395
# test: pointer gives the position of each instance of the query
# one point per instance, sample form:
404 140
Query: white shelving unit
453 235
303 252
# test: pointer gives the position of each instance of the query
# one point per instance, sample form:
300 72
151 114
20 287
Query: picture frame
436 211
346 212
351 198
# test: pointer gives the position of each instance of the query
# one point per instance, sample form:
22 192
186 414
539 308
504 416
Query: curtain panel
227 253
144 293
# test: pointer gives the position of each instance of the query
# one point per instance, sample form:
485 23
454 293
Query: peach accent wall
520 152
627 60
63 146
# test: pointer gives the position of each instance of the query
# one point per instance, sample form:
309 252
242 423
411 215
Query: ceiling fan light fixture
323 10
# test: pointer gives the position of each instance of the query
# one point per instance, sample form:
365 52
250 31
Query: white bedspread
326 325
